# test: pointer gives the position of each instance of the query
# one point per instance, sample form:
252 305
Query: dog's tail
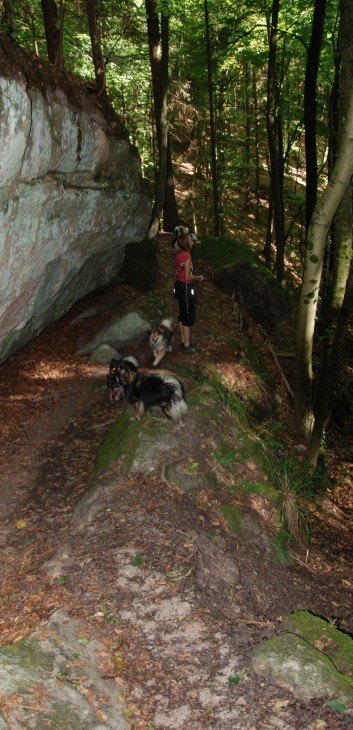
177 407
132 361
167 322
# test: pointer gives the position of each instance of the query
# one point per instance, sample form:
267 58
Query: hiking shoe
191 349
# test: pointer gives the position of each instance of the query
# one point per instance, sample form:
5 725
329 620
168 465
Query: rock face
258 292
71 196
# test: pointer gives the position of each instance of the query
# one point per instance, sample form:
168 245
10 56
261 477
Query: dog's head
121 373
157 335
116 390
180 231
160 331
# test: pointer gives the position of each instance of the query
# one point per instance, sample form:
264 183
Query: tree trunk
159 50
335 331
158 43
257 146
9 19
97 55
53 32
310 94
316 240
247 153
340 293
274 142
170 210
216 216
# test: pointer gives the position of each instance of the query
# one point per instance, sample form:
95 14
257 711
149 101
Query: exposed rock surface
306 671
258 293
71 196
59 672
120 332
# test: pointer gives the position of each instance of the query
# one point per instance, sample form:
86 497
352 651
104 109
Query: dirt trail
176 598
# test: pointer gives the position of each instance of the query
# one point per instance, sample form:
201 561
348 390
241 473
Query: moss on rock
295 664
337 645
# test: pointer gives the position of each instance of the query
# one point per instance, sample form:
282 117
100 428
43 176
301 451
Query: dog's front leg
139 409
158 358
178 425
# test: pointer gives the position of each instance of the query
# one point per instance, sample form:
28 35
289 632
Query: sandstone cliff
71 195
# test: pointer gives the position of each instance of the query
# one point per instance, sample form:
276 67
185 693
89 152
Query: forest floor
55 414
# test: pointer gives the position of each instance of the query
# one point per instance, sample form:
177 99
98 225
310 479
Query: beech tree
312 419
216 215
340 283
310 104
97 55
9 19
274 133
53 31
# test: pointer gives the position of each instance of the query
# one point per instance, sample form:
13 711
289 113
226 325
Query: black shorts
187 313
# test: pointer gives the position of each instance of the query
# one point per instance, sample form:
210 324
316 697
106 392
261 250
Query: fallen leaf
20 524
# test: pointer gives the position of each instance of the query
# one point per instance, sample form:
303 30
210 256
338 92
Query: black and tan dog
160 339
114 377
147 391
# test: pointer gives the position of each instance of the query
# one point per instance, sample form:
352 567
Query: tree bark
216 216
159 52
97 55
310 94
316 240
340 289
170 209
158 43
257 145
53 32
9 19
274 142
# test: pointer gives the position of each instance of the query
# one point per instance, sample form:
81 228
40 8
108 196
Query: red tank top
180 260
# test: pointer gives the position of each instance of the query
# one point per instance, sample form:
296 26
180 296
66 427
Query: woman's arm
189 277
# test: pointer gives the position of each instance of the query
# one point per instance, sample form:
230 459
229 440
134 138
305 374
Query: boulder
258 293
291 662
71 195
125 330
64 666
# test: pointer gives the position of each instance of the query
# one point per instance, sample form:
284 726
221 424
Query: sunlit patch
48 371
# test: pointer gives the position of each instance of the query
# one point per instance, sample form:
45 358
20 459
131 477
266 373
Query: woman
184 291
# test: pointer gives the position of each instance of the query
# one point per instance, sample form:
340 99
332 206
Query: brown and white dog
181 231
147 391
160 339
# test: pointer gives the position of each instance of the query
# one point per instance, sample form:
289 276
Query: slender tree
216 215
341 289
53 31
9 19
158 43
316 241
275 141
97 55
310 104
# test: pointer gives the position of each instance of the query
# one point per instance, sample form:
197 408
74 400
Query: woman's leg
186 321
184 334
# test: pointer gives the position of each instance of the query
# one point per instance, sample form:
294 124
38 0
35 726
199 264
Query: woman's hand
200 278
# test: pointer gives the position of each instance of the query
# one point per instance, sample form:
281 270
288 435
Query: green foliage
294 483
233 679
224 454
226 252
239 50
281 541
337 705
